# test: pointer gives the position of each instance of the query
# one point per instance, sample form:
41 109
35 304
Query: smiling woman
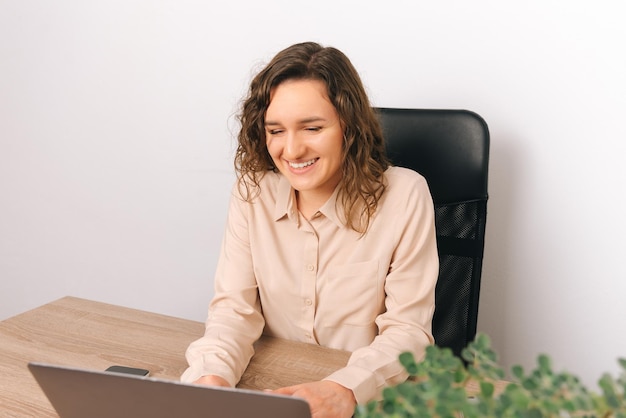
325 242
305 141
363 147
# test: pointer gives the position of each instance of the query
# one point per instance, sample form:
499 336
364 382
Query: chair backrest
450 148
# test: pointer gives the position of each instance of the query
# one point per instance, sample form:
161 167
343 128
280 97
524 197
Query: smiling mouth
302 164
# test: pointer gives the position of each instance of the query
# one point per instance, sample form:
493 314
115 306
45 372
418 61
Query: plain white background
116 145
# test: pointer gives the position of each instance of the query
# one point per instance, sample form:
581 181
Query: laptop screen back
76 393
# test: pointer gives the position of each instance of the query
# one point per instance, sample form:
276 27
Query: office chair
450 148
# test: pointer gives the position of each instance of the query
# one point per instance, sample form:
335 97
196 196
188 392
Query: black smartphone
128 370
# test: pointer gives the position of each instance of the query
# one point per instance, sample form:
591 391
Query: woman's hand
212 380
326 399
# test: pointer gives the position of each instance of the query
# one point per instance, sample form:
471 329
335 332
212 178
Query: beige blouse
319 282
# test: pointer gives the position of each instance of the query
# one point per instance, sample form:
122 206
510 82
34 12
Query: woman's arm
234 320
409 295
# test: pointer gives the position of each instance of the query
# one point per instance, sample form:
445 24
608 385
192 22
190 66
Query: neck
308 205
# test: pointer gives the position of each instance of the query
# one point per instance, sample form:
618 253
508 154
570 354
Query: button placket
309 283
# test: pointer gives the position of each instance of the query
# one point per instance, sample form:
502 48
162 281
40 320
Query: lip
301 166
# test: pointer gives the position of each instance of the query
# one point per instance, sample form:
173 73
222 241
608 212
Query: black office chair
450 148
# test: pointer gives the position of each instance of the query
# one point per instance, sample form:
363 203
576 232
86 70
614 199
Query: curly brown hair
364 160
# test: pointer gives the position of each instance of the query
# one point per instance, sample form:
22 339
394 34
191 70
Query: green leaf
388 407
486 389
544 363
406 389
467 355
518 372
533 413
483 341
408 362
459 375
608 387
517 396
529 384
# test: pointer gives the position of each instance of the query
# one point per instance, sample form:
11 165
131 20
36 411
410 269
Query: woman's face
305 137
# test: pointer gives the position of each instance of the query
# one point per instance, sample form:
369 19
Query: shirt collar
285 201
286 204
329 209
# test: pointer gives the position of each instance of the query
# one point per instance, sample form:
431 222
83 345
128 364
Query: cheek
273 148
337 148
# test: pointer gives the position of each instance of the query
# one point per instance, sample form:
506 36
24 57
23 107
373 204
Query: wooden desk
93 335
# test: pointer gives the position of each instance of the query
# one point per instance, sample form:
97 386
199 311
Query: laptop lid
78 393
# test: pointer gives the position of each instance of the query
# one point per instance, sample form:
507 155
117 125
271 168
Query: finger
289 390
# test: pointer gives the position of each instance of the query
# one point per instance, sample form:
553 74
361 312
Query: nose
294 147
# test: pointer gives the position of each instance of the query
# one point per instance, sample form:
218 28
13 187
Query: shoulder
406 206
405 189
268 199
270 181
402 179
246 190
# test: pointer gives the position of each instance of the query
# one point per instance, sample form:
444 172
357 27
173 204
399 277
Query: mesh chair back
450 148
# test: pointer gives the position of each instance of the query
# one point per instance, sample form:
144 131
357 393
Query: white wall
116 147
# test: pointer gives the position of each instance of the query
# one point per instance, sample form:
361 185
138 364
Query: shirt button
307 336
308 302
310 267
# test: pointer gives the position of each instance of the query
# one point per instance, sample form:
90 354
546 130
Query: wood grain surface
93 335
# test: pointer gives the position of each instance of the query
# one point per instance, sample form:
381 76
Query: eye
275 131
313 128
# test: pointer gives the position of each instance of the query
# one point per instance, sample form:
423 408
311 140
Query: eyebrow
301 121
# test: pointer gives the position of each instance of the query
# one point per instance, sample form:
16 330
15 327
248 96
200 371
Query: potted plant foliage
437 388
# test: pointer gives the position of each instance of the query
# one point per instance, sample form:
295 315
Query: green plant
437 388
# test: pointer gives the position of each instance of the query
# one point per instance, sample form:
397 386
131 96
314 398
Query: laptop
78 393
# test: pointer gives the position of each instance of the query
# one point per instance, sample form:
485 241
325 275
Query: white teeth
302 165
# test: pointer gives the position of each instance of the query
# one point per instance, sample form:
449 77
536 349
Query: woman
325 243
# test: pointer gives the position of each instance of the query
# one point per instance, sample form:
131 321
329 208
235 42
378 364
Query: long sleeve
405 325
234 320
318 281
